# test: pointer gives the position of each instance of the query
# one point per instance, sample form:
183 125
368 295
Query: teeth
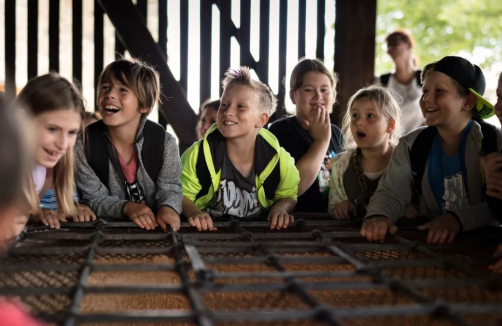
112 108
431 110
229 123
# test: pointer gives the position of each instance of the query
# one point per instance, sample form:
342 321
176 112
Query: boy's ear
263 119
143 110
391 125
470 101
292 97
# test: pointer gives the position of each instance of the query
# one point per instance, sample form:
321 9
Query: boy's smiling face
118 104
239 115
441 104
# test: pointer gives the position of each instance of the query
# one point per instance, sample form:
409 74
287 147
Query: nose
62 143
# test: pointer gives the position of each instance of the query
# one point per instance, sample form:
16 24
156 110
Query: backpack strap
489 142
264 152
152 153
202 172
272 182
95 150
419 154
384 79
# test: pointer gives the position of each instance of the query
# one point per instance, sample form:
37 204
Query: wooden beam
99 42
355 27
283 43
205 48
54 35
77 41
184 45
321 28
10 50
140 43
225 35
262 67
302 22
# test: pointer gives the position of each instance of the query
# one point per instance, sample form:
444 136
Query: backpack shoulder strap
95 150
272 182
202 172
384 79
489 142
419 153
152 152
418 74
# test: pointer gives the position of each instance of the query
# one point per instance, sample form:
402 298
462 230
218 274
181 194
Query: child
309 136
371 128
239 168
129 166
440 161
57 109
208 112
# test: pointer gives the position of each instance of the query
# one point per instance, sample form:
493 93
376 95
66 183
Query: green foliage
447 27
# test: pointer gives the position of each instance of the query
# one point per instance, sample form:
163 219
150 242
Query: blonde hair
242 76
385 102
49 93
305 66
137 75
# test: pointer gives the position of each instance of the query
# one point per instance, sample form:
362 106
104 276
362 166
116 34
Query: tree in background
472 28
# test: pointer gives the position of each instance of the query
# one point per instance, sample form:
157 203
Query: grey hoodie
396 185
109 201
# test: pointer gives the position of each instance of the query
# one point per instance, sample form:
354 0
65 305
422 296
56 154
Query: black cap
469 76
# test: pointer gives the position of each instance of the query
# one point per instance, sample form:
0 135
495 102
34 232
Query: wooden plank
244 35
184 44
321 29
262 68
54 35
10 49
163 47
225 35
355 27
206 22
32 39
77 36
302 21
98 42
139 42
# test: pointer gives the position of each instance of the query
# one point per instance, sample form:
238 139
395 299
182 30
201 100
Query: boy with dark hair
440 162
130 166
239 168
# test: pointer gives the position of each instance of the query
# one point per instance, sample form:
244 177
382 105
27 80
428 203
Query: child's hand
279 218
375 228
84 214
140 214
497 267
168 216
492 164
50 218
410 211
318 124
441 229
344 210
202 221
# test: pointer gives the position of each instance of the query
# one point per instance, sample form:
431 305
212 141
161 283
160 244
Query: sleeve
395 187
92 191
168 181
190 183
336 189
290 177
474 217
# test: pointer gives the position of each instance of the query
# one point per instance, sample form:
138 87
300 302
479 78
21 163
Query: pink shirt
39 173
130 169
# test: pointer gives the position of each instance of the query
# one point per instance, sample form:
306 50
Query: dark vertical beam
262 69
283 43
225 18
32 39
163 47
184 44
77 40
119 47
10 49
98 42
302 18
355 27
142 6
321 28
163 26
245 33
205 48
54 35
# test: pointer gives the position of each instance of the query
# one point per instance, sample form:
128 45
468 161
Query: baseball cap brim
484 109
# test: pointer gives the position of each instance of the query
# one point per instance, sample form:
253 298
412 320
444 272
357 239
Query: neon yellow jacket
268 155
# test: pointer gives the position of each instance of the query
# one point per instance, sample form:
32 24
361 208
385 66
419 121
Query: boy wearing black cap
440 163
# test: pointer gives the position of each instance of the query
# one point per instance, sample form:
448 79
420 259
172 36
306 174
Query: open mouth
53 155
229 123
361 134
431 110
110 109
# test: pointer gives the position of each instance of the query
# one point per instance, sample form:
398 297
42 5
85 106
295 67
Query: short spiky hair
242 76
137 75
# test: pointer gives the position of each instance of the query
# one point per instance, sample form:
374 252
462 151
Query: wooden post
355 32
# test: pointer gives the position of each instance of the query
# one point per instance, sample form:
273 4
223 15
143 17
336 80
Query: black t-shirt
297 141
236 195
